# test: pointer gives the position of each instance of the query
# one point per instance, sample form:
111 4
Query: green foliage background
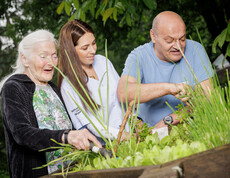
125 30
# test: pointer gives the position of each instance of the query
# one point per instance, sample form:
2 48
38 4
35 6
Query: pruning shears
102 150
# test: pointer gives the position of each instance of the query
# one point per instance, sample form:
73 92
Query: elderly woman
33 112
77 40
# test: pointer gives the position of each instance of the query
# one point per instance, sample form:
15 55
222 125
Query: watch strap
66 132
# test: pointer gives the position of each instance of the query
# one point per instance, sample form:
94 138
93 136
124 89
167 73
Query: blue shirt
154 70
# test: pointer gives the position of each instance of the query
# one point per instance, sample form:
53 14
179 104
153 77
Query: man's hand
80 139
160 124
181 91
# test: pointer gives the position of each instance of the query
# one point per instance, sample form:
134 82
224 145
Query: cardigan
23 137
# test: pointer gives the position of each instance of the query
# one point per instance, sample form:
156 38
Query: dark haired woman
78 41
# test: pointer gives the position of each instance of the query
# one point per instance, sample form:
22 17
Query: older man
164 72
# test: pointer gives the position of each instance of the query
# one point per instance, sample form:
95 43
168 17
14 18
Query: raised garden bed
211 164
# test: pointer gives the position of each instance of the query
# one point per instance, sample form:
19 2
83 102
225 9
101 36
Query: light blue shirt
154 70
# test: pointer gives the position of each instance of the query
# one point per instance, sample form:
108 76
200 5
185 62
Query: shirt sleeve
113 72
17 118
132 64
203 68
113 132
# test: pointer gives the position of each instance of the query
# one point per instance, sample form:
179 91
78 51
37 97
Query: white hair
25 47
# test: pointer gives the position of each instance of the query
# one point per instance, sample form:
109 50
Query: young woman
77 42
33 112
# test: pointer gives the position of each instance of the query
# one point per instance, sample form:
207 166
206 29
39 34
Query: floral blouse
51 114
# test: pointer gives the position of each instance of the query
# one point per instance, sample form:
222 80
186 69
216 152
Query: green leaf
71 18
228 27
60 7
228 50
92 10
82 15
77 14
107 14
115 14
67 9
228 33
98 12
69 2
151 4
85 5
120 6
92 6
105 2
220 39
121 23
76 4
128 19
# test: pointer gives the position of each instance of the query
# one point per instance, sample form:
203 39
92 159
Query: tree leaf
220 39
121 23
77 14
128 20
60 7
72 17
228 33
228 50
228 27
82 15
76 4
67 9
120 6
92 6
107 14
151 4
115 14
69 2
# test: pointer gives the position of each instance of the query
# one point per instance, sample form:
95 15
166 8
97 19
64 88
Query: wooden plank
162 172
213 164
133 172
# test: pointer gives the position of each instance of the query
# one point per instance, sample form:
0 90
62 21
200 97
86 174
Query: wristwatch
168 120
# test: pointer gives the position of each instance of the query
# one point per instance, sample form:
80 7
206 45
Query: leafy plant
223 37
114 9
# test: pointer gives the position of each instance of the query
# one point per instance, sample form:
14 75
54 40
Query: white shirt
115 112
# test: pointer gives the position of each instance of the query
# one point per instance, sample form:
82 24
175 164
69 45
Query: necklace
92 77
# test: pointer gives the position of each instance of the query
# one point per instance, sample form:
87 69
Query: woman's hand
80 139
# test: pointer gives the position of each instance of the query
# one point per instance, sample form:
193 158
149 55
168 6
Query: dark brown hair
70 33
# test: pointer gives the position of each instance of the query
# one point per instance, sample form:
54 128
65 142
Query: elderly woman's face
38 66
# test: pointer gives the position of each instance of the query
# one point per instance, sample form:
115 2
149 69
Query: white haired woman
33 111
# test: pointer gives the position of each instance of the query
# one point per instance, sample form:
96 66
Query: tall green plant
211 117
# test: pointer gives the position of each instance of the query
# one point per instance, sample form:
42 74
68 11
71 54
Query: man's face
168 40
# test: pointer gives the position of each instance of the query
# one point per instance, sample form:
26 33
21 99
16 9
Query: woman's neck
89 70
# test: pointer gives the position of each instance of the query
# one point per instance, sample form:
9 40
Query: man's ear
152 35
24 60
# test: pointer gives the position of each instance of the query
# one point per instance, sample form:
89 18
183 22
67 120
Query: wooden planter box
214 163
222 75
